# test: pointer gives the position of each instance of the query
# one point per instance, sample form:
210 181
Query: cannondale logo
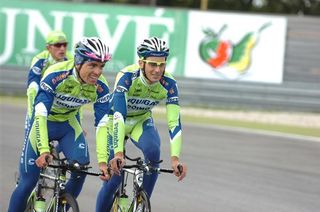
82 146
31 161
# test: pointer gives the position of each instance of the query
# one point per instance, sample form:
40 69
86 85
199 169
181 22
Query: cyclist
138 88
56 51
64 88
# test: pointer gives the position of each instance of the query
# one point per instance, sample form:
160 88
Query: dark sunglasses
58 45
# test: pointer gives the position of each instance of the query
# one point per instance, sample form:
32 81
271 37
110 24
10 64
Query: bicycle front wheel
66 203
142 202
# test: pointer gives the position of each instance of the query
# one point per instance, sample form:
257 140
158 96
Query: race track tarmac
229 170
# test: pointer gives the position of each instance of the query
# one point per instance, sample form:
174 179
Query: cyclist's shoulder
168 75
168 80
129 70
128 73
59 70
44 55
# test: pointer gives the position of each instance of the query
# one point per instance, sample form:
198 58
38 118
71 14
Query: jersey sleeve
34 77
173 117
122 86
43 103
102 112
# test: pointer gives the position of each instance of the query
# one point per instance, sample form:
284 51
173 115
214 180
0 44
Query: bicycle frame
139 195
58 176
59 180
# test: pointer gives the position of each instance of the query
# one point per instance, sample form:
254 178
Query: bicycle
54 178
140 200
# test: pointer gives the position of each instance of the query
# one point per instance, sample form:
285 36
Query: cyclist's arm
43 103
173 115
174 125
119 116
102 111
120 111
34 77
175 140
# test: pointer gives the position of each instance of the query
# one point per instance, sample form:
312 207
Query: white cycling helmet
153 47
91 49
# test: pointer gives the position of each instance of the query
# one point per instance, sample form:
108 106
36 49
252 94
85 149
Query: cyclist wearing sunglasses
64 88
56 51
140 87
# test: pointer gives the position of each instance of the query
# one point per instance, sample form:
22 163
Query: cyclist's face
58 50
154 68
91 71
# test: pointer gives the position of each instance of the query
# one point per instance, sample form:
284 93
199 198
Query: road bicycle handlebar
140 164
73 167
147 168
76 167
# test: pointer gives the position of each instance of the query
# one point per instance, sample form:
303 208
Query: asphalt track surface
229 170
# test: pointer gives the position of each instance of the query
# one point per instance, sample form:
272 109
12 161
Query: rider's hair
153 47
91 49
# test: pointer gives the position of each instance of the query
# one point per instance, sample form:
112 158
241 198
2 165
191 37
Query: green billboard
25 24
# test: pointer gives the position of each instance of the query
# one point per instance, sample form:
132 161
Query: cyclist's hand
106 170
117 163
43 160
180 169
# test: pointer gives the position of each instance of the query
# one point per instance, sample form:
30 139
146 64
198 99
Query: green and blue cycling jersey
134 99
62 95
39 64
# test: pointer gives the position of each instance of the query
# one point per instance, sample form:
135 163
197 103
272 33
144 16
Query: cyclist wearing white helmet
138 88
64 88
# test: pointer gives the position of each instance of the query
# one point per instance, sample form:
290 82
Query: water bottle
40 205
124 203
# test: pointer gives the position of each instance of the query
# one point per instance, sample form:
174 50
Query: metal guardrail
290 96
284 97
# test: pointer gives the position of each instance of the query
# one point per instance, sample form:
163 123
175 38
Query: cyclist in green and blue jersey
64 88
138 89
56 51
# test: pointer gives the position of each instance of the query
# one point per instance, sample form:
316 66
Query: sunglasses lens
154 64
162 65
58 45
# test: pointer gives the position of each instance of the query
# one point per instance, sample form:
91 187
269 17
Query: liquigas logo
227 59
